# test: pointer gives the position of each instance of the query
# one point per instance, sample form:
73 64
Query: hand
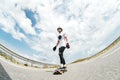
54 48
67 45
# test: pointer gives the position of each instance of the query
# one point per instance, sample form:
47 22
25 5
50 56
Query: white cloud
88 23
8 25
17 14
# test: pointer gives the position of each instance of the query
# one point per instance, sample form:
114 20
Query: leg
62 60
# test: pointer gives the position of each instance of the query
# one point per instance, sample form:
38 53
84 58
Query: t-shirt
62 41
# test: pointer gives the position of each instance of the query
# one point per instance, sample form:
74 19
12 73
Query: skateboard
59 71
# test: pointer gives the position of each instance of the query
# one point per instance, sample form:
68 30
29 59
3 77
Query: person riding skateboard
62 43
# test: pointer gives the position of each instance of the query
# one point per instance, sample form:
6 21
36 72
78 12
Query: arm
66 39
57 43
67 44
54 48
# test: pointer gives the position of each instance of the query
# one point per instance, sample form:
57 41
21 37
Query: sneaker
64 67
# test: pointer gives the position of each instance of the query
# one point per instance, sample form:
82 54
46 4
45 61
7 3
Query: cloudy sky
28 27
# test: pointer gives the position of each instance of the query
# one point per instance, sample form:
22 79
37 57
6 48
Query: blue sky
13 44
29 28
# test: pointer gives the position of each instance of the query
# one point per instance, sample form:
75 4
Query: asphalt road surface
103 67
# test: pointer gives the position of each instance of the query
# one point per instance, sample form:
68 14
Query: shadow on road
3 74
50 71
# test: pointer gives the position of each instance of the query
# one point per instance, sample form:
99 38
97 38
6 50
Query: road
104 67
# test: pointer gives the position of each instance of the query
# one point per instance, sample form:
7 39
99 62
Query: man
62 43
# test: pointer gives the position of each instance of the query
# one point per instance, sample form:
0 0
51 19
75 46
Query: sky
28 27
